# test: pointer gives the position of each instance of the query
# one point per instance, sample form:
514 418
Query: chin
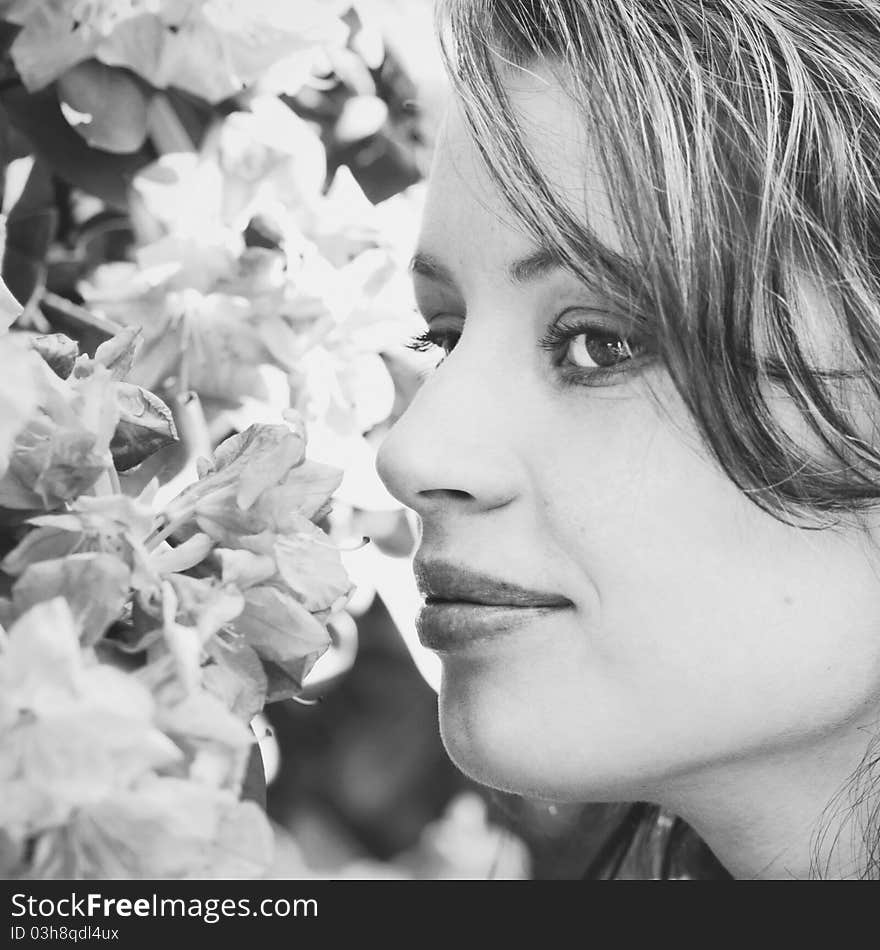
536 750
504 748
496 764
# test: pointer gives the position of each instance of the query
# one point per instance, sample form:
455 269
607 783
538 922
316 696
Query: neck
795 814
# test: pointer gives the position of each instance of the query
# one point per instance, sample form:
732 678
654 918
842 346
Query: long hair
739 141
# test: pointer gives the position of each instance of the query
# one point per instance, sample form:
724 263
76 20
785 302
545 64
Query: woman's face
684 631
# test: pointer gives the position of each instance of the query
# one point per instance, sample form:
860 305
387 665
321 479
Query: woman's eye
591 354
597 350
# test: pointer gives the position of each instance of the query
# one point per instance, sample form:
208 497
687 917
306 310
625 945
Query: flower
162 828
73 731
145 633
211 48
255 500
271 161
65 446
113 524
95 585
209 308
19 395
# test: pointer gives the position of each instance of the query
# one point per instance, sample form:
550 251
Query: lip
464 606
449 626
444 580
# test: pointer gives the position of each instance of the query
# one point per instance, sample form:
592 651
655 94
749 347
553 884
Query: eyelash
426 341
557 338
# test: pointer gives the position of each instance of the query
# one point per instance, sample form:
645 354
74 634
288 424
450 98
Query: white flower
73 731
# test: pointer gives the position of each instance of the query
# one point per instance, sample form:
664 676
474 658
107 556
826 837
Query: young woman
647 467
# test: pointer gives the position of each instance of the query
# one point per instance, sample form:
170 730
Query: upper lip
445 581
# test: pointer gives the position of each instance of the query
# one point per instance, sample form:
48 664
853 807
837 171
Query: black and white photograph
439 442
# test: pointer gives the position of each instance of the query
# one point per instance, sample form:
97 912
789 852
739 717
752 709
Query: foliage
184 300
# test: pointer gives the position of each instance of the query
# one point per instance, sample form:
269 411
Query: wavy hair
739 141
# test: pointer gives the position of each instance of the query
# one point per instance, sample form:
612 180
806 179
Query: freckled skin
712 652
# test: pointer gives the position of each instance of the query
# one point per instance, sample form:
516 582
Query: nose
454 445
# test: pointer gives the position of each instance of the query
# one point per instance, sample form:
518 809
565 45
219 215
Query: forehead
467 215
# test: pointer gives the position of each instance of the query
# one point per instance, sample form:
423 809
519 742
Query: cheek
725 630
705 631
697 582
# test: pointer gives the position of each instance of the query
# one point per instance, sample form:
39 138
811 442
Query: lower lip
452 626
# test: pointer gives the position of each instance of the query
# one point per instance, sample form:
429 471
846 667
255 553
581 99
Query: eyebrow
523 270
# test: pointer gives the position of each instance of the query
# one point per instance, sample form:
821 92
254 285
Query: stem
183 391
107 483
192 427
168 522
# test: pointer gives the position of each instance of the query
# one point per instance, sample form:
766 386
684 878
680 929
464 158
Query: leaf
12 852
253 787
285 636
112 103
58 350
76 321
10 308
31 228
145 426
95 585
103 174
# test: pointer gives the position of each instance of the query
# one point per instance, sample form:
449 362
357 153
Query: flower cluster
139 641
211 48
260 290
165 569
